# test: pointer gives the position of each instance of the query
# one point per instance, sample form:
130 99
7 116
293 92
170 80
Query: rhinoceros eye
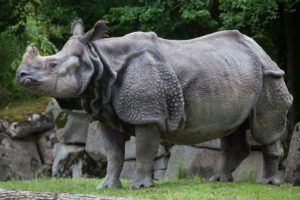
52 66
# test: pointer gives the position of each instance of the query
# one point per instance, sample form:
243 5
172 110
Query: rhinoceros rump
184 92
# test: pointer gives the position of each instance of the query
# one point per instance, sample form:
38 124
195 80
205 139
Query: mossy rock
86 165
20 111
61 119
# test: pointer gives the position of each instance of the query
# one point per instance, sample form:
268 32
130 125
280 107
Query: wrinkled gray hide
185 92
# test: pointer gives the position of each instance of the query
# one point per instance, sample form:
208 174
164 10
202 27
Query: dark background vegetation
273 24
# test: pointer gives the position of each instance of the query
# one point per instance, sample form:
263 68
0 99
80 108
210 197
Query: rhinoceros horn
31 50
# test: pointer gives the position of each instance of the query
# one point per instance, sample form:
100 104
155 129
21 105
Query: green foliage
262 20
171 189
13 42
59 15
173 19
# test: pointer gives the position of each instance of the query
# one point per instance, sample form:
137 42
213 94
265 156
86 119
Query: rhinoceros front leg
271 156
114 145
147 142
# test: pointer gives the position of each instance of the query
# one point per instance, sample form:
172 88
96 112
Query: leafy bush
13 42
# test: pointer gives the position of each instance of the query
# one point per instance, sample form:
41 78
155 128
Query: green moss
61 119
89 165
19 111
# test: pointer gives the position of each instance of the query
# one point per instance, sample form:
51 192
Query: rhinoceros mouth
28 81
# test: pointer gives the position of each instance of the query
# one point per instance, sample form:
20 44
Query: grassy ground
173 189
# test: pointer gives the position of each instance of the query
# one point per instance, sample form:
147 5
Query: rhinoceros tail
278 73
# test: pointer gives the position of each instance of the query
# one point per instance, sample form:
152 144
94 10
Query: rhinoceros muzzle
25 78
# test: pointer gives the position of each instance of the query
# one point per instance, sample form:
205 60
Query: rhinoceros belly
220 88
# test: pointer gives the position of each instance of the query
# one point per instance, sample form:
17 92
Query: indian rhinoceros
184 92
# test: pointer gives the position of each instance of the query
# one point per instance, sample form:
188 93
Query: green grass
20 111
174 189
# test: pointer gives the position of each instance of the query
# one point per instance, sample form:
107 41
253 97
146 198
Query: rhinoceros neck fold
90 98
96 99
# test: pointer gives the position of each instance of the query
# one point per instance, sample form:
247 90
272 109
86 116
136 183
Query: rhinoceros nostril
24 74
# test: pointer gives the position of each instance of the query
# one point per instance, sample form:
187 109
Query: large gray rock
250 169
73 161
160 166
130 150
188 161
19 159
216 144
94 142
129 166
293 161
128 170
56 149
161 163
38 122
71 126
212 144
159 174
45 144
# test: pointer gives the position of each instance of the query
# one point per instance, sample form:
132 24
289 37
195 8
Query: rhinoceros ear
77 27
95 33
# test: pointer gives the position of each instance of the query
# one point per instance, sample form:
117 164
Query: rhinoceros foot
109 182
274 180
141 181
221 177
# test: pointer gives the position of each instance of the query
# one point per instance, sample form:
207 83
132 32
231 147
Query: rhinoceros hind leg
114 145
268 124
147 142
271 156
235 148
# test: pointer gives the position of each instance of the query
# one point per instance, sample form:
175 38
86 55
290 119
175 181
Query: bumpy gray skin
185 92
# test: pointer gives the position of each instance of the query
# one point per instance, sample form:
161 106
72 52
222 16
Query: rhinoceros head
65 74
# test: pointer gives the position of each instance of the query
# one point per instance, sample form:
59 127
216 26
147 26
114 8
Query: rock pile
70 156
26 148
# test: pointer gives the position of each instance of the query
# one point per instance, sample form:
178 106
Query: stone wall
26 147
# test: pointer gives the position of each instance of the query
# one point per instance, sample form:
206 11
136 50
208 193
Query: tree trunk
26 195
